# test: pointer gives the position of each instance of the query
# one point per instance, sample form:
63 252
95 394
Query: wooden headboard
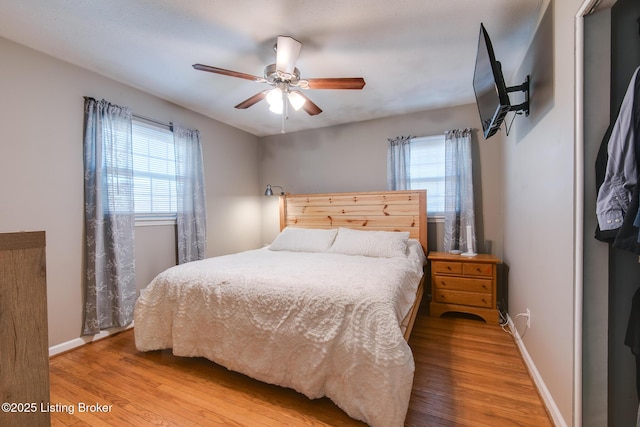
374 210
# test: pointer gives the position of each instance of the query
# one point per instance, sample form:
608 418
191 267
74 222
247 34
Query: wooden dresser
24 340
464 284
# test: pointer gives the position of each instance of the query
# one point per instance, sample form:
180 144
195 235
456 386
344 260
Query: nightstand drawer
474 299
477 269
463 284
446 267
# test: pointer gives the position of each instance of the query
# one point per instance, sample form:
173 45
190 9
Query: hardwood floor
467 374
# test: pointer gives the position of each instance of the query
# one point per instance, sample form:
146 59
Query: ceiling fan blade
252 100
222 71
309 106
337 83
287 52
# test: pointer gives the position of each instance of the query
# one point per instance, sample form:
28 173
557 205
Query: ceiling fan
285 79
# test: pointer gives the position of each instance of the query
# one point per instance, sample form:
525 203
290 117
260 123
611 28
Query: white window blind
118 173
427 170
154 171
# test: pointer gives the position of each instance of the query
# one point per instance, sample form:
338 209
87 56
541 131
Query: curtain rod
150 120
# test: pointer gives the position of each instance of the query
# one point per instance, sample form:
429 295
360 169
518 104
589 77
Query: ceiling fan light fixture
296 100
276 108
274 96
274 99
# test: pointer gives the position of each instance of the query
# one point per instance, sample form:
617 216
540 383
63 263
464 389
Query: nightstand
464 284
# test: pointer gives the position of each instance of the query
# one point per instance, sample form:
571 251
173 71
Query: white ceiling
414 55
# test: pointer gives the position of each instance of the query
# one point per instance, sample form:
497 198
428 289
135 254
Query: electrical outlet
528 318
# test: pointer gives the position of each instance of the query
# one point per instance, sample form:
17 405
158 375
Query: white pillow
384 244
304 240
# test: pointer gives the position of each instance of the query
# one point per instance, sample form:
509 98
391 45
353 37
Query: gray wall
539 204
41 115
353 157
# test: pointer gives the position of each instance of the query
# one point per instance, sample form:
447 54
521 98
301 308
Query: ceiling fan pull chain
285 108
285 103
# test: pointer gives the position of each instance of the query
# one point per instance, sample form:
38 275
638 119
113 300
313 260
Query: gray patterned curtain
459 212
398 163
191 215
110 289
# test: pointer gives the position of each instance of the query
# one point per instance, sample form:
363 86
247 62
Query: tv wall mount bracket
524 87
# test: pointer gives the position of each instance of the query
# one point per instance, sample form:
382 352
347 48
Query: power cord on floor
504 322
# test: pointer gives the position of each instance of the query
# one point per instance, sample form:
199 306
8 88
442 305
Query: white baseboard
552 408
77 342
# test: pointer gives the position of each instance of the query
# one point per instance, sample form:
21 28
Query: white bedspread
322 324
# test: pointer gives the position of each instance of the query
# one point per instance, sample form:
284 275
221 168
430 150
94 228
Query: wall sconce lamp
269 191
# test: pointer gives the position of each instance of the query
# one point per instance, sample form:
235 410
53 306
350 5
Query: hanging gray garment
621 174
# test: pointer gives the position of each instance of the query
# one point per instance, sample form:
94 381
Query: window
154 171
427 171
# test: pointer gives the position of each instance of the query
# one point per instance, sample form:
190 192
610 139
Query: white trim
552 408
78 342
578 209
587 7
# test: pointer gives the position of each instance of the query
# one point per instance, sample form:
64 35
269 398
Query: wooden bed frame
379 210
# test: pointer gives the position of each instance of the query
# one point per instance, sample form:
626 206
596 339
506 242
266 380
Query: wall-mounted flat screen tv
489 87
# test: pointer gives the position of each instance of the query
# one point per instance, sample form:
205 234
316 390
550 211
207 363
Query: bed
326 309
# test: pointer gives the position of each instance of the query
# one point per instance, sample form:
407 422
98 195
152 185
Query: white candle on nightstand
470 251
